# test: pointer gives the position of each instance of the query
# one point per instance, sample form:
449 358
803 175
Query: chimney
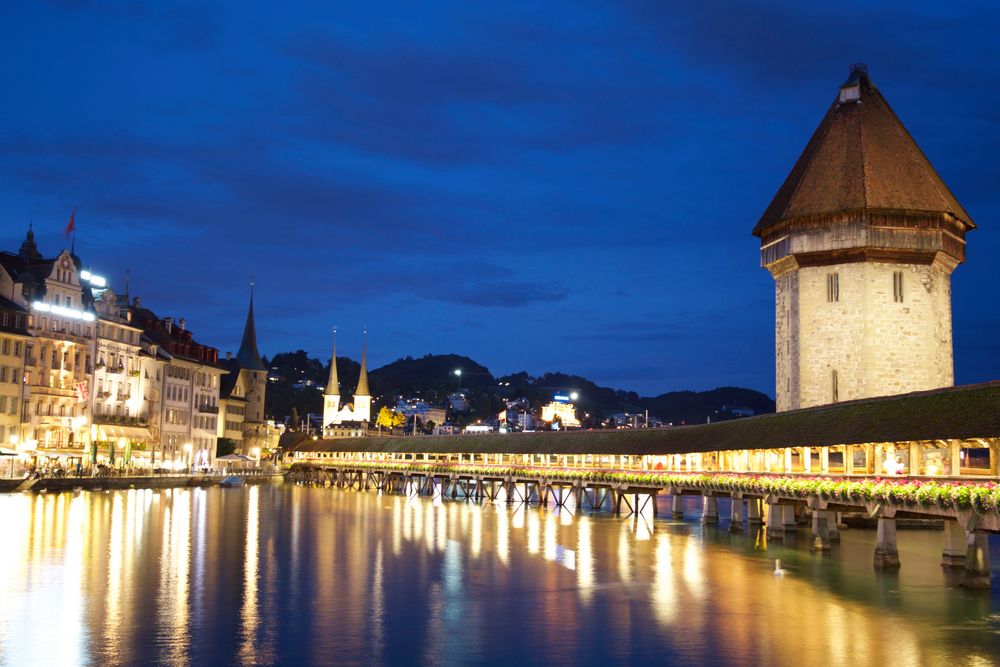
182 323
229 356
168 322
137 302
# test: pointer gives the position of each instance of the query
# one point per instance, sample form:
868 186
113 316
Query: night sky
540 186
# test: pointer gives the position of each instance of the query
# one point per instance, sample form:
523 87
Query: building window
835 382
897 286
832 287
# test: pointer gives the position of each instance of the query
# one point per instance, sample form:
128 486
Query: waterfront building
561 410
13 339
119 412
241 410
360 410
861 240
424 411
189 393
58 358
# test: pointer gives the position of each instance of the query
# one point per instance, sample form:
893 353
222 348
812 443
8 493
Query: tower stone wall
865 342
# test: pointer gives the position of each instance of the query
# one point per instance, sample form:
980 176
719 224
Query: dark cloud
539 186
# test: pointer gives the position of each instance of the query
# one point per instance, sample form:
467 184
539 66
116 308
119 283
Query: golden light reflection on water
248 612
143 575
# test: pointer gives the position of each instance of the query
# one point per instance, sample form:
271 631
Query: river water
283 574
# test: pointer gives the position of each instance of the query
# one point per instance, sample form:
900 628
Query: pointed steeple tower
248 356
333 382
362 396
362 389
29 251
331 397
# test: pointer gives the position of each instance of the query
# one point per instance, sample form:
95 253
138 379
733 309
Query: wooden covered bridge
929 454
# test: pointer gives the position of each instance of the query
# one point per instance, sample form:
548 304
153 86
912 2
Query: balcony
209 409
118 420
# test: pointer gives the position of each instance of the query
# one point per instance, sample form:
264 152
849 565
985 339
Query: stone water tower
861 240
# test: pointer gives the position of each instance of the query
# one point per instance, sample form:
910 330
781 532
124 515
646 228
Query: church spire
248 356
29 251
362 389
333 382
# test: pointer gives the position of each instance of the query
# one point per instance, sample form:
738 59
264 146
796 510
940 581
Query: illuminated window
832 287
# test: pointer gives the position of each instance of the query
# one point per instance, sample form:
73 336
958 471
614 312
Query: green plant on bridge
981 496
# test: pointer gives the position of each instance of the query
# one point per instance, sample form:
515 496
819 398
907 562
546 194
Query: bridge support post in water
834 519
956 544
710 509
736 513
886 553
977 561
676 509
788 520
774 525
821 520
753 512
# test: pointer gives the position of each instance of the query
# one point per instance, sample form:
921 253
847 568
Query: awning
111 432
68 453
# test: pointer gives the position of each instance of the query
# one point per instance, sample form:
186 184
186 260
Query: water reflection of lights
549 539
624 553
476 533
663 593
378 606
534 532
112 603
95 569
692 568
584 560
248 613
174 583
503 534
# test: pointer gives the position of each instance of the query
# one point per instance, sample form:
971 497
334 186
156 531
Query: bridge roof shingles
970 411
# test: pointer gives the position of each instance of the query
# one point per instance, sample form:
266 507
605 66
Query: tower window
834 386
897 286
832 287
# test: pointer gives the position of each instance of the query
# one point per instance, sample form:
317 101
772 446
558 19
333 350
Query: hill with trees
296 380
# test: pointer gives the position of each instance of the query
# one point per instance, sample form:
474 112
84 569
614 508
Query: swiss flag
71 227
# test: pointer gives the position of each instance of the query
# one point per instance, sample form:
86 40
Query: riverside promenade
160 481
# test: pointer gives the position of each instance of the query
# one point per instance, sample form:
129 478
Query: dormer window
850 93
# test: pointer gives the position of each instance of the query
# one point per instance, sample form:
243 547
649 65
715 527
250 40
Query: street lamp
574 395
458 372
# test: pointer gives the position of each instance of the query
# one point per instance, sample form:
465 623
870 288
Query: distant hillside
694 407
433 377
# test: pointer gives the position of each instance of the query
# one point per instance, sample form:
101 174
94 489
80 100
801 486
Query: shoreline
60 484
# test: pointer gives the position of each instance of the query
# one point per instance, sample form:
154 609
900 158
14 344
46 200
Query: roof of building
861 158
248 356
8 306
176 340
970 411
228 381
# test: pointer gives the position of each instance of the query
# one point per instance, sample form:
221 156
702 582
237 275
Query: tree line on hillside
295 380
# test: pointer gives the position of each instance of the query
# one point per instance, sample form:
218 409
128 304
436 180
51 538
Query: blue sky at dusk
540 186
